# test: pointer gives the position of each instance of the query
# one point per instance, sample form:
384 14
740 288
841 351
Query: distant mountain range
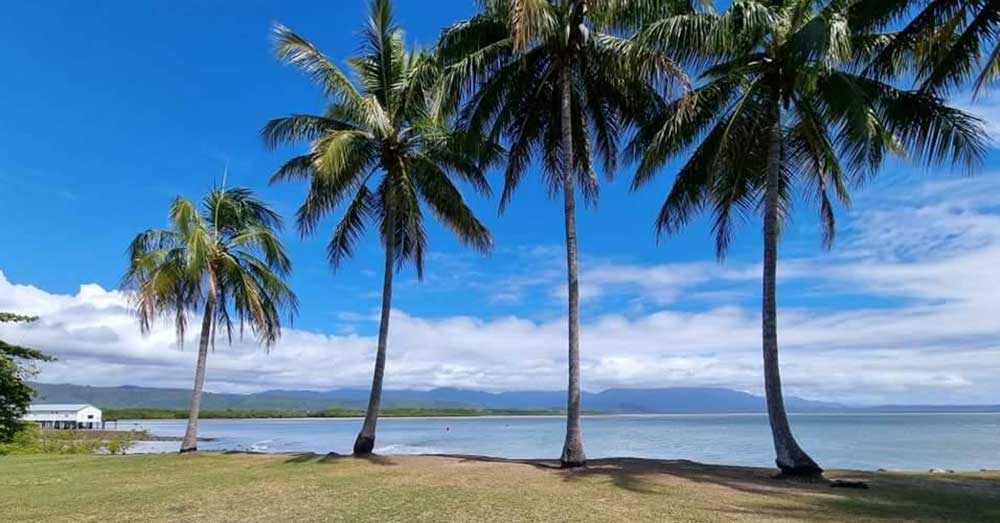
675 400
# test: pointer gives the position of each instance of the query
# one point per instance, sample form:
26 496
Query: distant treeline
336 412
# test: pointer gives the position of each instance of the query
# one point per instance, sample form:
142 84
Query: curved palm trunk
791 459
572 454
365 442
190 442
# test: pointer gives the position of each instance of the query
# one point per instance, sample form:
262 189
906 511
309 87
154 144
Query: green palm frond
505 64
677 125
293 49
299 128
325 194
297 168
350 227
943 45
841 121
624 15
967 52
264 240
446 201
215 252
528 20
366 151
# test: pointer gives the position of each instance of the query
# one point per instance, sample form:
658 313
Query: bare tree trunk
365 442
190 442
572 454
791 459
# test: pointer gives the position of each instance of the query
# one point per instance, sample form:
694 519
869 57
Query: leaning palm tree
534 75
780 106
383 146
224 261
941 44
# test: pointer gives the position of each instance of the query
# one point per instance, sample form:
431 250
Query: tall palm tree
942 44
384 146
534 75
779 106
225 261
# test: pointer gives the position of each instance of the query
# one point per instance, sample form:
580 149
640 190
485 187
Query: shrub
120 442
24 441
32 439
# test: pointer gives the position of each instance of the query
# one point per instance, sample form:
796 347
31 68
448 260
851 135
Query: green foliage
943 45
15 394
65 442
792 65
226 257
31 439
382 147
144 413
23 441
119 443
505 64
10 317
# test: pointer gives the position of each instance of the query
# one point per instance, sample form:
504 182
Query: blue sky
120 108
111 109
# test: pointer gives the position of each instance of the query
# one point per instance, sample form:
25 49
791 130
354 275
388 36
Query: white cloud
986 109
931 252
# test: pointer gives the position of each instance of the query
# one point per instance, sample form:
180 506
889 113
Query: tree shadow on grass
375 459
333 457
891 498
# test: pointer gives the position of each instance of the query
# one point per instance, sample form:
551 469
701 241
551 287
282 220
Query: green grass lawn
306 488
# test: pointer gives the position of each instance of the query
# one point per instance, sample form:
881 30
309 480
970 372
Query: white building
73 416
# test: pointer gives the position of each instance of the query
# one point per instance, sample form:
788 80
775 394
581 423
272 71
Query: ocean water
960 441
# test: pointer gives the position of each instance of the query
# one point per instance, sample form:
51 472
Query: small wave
261 446
154 447
407 449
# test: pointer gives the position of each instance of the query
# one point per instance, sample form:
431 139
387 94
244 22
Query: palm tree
533 74
385 146
225 261
943 43
780 106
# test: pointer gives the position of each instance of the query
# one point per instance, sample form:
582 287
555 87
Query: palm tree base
802 471
189 450
364 445
573 457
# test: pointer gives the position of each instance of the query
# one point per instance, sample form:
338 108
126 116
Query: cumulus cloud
986 108
931 250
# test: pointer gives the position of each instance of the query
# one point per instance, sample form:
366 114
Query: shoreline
519 436
936 471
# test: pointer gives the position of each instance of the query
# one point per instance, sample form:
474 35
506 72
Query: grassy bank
325 413
308 488
35 440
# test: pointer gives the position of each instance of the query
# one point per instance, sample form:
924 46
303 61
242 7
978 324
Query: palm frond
299 128
293 49
529 20
448 205
196 263
350 227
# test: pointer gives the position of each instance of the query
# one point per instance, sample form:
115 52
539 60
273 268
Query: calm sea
858 441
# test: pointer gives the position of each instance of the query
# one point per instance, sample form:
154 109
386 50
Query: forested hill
680 400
